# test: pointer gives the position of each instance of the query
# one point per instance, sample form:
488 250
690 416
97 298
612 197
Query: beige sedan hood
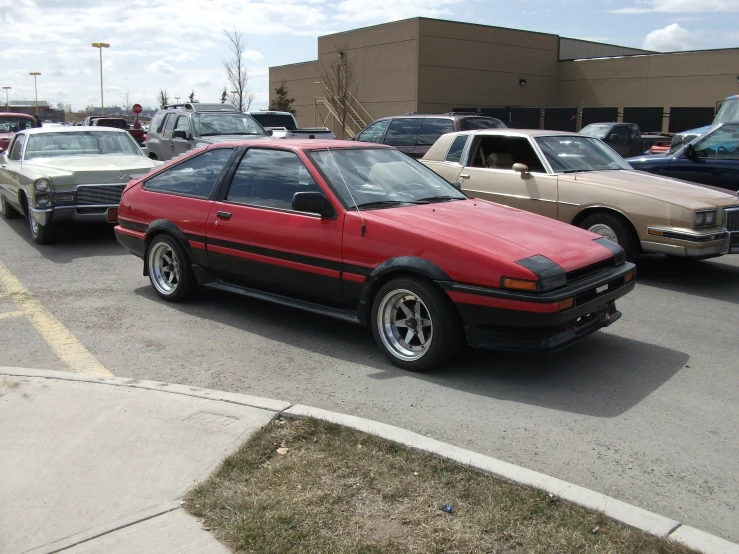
681 193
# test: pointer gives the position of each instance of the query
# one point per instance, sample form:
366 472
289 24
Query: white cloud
681 6
201 82
670 39
392 10
253 55
160 67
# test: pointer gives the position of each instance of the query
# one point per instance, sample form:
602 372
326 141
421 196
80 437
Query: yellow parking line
8 315
62 342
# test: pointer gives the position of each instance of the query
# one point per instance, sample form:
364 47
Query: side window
17 148
456 149
183 124
374 132
501 152
403 131
193 177
622 133
270 178
635 133
723 143
156 122
432 129
169 125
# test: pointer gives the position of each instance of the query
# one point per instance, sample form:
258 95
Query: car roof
23 115
517 132
73 129
457 115
302 144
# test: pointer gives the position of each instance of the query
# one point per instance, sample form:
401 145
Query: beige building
428 65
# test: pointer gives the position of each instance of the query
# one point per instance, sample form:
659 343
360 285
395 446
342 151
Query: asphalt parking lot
645 411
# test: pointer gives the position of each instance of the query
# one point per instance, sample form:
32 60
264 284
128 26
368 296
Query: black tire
173 281
41 234
445 325
8 211
625 234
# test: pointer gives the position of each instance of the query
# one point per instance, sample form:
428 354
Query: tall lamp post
176 99
35 87
100 46
7 102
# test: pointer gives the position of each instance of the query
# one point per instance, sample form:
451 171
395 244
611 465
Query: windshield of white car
10 124
81 143
570 153
381 178
275 120
729 111
597 130
213 124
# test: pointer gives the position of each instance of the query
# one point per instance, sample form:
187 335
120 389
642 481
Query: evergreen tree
224 96
282 103
192 96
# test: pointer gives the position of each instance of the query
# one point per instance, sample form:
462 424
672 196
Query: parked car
179 128
413 134
626 138
712 159
729 111
369 236
63 173
579 180
284 125
11 123
120 123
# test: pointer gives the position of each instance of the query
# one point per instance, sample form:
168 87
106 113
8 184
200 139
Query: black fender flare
401 264
163 226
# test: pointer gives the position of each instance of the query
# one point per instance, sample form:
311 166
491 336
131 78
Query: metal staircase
355 121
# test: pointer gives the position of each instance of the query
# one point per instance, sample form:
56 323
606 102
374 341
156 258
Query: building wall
575 49
475 66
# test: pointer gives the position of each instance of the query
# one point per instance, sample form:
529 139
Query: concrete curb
617 510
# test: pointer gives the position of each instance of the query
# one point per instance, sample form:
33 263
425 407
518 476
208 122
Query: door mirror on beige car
523 169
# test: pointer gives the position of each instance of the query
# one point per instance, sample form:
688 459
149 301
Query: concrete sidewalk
97 464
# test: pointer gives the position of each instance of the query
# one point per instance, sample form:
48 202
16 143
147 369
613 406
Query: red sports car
365 234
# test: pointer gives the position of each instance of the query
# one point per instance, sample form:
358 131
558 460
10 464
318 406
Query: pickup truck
139 135
626 138
284 125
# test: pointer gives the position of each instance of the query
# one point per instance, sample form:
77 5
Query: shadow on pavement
73 241
603 376
715 279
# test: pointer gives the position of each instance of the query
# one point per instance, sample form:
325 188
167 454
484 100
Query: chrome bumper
78 214
695 250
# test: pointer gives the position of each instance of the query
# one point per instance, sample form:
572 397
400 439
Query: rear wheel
170 271
8 211
614 228
415 324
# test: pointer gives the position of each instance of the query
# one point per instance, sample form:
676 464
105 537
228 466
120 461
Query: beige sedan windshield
85 143
569 153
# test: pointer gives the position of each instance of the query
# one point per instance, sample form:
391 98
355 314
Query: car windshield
10 124
597 130
729 111
211 124
472 123
381 177
570 153
275 120
81 143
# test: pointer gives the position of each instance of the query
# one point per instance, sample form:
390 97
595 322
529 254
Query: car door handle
464 176
223 215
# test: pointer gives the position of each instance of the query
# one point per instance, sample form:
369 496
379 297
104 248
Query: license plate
112 215
602 288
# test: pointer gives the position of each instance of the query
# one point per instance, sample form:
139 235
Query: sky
179 45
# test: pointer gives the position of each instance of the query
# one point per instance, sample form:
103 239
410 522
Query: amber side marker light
566 304
629 277
656 232
518 284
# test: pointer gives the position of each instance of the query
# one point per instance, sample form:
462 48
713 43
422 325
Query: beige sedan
580 180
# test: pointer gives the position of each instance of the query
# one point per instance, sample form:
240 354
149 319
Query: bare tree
339 77
127 102
162 98
236 71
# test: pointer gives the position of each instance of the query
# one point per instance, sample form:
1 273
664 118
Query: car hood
674 191
228 138
497 231
91 169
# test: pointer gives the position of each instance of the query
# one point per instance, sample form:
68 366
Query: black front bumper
506 328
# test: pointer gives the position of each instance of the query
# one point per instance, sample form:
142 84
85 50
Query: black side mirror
270 132
457 185
313 203
180 134
690 152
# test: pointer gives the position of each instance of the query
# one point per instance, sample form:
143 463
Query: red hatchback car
365 234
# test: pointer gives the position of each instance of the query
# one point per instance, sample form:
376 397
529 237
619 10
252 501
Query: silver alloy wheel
604 231
405 325
164 268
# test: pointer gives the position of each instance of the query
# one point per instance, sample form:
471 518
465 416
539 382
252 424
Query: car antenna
364 227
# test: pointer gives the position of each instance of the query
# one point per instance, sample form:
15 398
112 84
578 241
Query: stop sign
137 109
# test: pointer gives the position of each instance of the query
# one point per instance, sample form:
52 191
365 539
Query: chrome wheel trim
604 231
405 325
164 268
2 203
34 225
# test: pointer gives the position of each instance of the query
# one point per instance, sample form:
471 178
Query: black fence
560 119
684 119
598 115
649 120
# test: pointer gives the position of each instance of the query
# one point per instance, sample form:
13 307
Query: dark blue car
712 159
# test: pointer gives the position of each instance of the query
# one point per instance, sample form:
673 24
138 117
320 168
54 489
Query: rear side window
183 124
193 177
432 129
403 131
455 150
156 122
472 123
169 125
374 132
635 132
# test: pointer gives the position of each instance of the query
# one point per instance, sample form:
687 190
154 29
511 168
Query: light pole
35 87
7 102
100 46
176 99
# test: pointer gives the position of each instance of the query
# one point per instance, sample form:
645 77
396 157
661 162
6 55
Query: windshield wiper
434 199
381 203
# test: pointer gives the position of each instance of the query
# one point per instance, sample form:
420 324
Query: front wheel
415 324
170 272
615 228
41 234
